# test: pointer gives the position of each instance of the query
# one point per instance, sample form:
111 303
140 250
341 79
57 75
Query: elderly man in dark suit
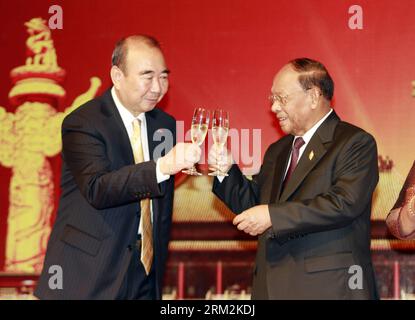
310 203
112 229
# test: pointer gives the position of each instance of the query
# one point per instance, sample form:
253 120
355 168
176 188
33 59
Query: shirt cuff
160 176
220 178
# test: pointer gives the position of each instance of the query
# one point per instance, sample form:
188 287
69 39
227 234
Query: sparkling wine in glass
199 129
220 129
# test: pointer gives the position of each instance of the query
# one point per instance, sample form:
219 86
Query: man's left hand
254 221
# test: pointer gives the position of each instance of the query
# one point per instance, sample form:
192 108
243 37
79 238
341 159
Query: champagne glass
220 129
199 129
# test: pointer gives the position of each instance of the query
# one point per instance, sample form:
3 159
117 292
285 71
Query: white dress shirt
307 137
128 118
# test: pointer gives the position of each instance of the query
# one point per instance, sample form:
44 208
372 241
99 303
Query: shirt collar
126 116
309 134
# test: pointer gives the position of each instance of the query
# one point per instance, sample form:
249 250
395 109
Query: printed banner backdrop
221 54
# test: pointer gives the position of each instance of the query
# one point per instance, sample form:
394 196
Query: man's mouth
152 100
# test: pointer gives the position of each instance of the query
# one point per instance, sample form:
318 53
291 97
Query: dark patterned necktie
298 143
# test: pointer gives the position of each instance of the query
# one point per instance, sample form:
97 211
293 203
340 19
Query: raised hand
182 156
219 158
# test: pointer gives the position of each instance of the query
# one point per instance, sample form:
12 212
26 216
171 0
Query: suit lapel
152 126
281 163
116 126
312 155
154 123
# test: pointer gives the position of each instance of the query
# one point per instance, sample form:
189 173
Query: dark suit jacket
99 214
320 221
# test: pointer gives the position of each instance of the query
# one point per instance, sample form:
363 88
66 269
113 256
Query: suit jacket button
130 247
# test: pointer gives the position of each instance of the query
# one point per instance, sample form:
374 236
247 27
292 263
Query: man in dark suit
310 203
111 234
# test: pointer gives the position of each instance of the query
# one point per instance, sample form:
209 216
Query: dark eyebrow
166 71
146 72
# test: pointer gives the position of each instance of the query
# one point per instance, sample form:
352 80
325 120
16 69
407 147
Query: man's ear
116 75
315 95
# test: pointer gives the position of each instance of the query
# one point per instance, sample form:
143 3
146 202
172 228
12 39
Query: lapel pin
311 155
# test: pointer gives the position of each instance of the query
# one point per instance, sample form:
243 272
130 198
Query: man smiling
310 204
112 229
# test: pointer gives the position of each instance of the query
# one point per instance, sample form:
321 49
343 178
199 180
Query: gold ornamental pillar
28 137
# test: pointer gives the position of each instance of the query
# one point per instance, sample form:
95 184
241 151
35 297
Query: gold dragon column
28 137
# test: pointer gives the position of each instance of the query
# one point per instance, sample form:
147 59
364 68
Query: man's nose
275 107
155 85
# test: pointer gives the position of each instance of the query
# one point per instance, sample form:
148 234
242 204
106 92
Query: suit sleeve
238 192
355 178
84 152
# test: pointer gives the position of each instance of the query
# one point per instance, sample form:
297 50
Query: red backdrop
225 53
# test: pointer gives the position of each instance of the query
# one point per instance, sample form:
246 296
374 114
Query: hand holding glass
199 129
220 129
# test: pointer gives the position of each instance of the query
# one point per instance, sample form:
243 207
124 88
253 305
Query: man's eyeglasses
282 100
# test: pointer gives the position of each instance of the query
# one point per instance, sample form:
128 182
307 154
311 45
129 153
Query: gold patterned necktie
147 228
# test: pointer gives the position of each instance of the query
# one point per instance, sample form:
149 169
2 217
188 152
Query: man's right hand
182 156
220 158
